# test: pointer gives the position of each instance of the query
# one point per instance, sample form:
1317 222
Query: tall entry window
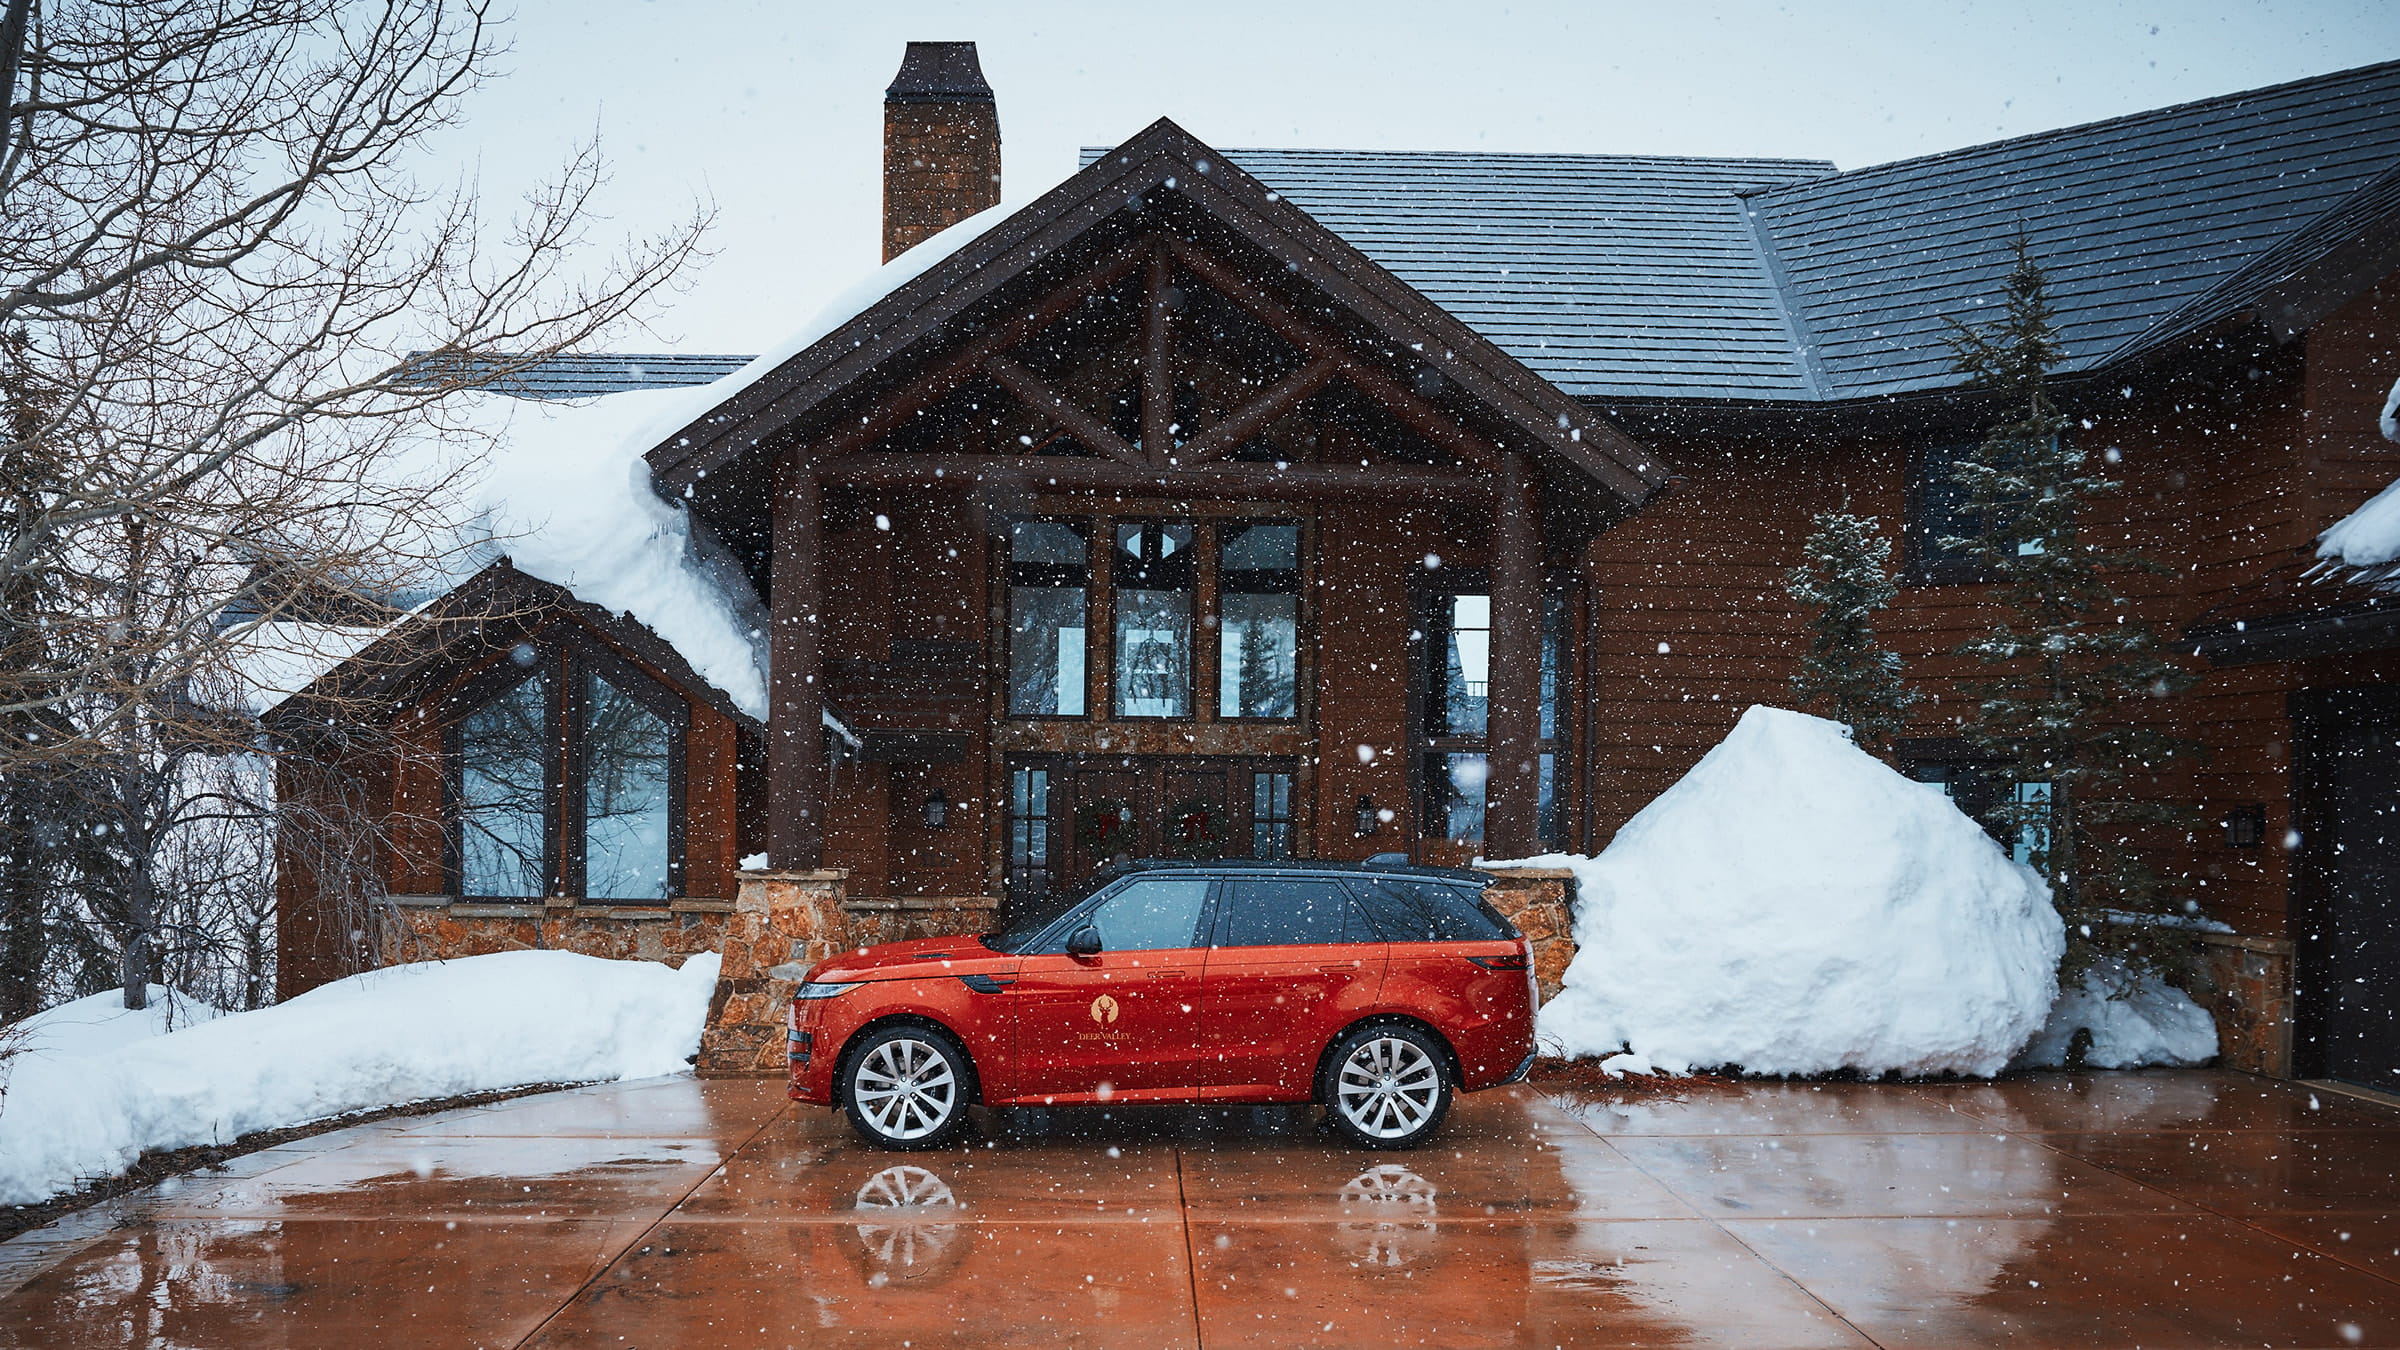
565 777
1258 634
1155 580
1049 587
503 793
1457 672
627 753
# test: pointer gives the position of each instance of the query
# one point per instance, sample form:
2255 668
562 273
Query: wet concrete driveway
2186 1209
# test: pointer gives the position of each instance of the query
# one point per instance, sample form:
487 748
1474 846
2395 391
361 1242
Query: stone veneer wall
435 927
2246 983
799 919
1540 902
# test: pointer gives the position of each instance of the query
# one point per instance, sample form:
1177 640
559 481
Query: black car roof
1238 866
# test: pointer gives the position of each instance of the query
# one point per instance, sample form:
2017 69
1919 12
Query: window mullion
1207 624
566 798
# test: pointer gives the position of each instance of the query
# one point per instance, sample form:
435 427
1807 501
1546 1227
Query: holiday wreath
1104 828
1196 829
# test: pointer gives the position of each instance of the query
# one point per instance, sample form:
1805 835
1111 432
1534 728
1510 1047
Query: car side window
1290 911
1152 914
1409 910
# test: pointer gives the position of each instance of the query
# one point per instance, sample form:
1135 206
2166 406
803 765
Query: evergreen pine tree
2070 664
1846 578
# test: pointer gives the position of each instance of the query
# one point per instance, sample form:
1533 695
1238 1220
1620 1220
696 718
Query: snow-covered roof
2364 546
567 496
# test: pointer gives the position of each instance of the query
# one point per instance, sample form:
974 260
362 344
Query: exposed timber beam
1512 789
1039 395
917 395
796 691
1252 417
1297 482
1418 414
1158 355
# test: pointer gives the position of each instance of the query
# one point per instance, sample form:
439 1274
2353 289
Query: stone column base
2246 984
790 921
779 918
1540 902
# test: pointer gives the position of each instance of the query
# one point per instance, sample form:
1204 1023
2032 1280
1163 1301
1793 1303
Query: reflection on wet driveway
2111 1209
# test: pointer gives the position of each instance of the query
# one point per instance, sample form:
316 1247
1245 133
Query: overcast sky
774 111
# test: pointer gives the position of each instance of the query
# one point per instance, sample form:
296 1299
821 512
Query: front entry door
1162 806
2350 978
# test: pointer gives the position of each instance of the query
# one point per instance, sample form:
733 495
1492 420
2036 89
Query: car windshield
1027 918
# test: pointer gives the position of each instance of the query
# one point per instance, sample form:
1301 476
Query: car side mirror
1084 942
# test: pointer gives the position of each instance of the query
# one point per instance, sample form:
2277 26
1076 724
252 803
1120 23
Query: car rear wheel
907 1087
1386 1088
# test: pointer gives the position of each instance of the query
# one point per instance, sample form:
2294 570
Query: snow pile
2133 1023
101 1022
1793 905
380 1039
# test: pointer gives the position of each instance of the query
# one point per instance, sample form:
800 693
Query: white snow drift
74 1112
2134 1022
1793 905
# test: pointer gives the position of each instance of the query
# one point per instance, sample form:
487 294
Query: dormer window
565 778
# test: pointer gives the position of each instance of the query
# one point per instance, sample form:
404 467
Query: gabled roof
1606 274
1162 164
487 610
2137 220
1780 281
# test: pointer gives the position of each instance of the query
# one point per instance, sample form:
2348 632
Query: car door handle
1338 967
1168 974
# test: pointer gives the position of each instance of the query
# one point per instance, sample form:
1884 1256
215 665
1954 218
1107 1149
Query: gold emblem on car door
1104 1010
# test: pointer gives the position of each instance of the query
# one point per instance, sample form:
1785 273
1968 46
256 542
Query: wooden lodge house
1325 504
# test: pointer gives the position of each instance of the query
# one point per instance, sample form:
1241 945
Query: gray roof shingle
1606 274
1777 280
578 374
2135 219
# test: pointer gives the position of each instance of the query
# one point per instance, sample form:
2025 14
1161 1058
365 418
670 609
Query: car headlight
816 990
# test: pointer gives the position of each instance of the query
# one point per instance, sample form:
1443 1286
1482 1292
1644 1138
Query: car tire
1385 1086
907 1087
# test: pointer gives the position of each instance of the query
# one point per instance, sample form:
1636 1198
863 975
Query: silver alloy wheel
1388 1087
905 1089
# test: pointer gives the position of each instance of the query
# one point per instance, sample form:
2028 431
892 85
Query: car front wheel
907 1087
1386 1088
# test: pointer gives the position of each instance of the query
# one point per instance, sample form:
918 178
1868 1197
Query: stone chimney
941 144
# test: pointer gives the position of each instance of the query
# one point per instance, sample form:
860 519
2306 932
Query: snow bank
101 1022
2133 1023
380 1039
1793 905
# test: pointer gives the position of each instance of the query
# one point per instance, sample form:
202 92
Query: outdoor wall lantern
937 809
1368 820
2245 825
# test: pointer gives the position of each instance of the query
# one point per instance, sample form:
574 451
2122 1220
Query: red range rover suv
1378 991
